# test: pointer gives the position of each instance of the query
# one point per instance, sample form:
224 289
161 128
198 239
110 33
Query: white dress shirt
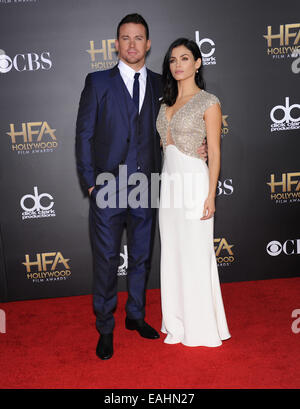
127 74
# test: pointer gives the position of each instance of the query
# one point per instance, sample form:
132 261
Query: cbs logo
36 201
287 109
289 247
225 187
25 62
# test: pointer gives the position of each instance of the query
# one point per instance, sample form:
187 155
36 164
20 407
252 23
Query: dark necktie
136 90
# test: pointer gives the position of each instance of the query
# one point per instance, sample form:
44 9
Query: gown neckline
169 121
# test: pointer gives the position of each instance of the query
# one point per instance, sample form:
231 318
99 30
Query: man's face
132 44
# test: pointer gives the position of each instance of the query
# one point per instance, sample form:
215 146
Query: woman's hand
202 151
209 208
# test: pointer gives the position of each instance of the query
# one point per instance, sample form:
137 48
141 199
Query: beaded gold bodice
186 129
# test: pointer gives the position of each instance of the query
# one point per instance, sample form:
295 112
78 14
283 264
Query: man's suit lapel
118 93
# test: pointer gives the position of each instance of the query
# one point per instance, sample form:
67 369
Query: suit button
128 140
122 162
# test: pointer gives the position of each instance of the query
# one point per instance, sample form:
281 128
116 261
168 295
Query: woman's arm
213 123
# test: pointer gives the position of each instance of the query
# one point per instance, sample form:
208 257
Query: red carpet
51 344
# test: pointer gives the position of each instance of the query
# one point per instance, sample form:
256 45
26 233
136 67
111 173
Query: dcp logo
286 109
207 48
25 62
122 269
285 117
36 201
289 247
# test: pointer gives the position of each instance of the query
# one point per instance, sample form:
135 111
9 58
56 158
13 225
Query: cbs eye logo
274 248
5 63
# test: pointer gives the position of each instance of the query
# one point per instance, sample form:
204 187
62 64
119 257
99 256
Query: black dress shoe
142 328
105 346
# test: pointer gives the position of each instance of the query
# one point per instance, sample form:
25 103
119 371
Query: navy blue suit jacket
102 128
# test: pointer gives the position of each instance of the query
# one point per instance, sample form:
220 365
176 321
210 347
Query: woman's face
182 63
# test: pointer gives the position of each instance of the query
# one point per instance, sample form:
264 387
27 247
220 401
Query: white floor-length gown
192 306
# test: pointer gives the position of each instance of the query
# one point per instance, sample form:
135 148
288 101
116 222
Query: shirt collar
129 72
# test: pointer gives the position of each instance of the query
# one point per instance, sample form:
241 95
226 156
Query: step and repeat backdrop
251 62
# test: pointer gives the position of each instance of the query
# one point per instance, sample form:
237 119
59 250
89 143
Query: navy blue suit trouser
107 226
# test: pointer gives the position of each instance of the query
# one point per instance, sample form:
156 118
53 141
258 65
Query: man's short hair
136 19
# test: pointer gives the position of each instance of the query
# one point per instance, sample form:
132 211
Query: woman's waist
177 160
190 152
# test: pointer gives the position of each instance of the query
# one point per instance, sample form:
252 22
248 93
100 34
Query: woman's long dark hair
170 89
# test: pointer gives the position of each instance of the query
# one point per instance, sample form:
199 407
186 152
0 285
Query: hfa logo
285 188
225 127
32 137
47 267
224 253
286 40
107 53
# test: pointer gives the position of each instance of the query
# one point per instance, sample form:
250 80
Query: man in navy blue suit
116 126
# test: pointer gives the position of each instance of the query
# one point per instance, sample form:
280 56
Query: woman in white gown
192 305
